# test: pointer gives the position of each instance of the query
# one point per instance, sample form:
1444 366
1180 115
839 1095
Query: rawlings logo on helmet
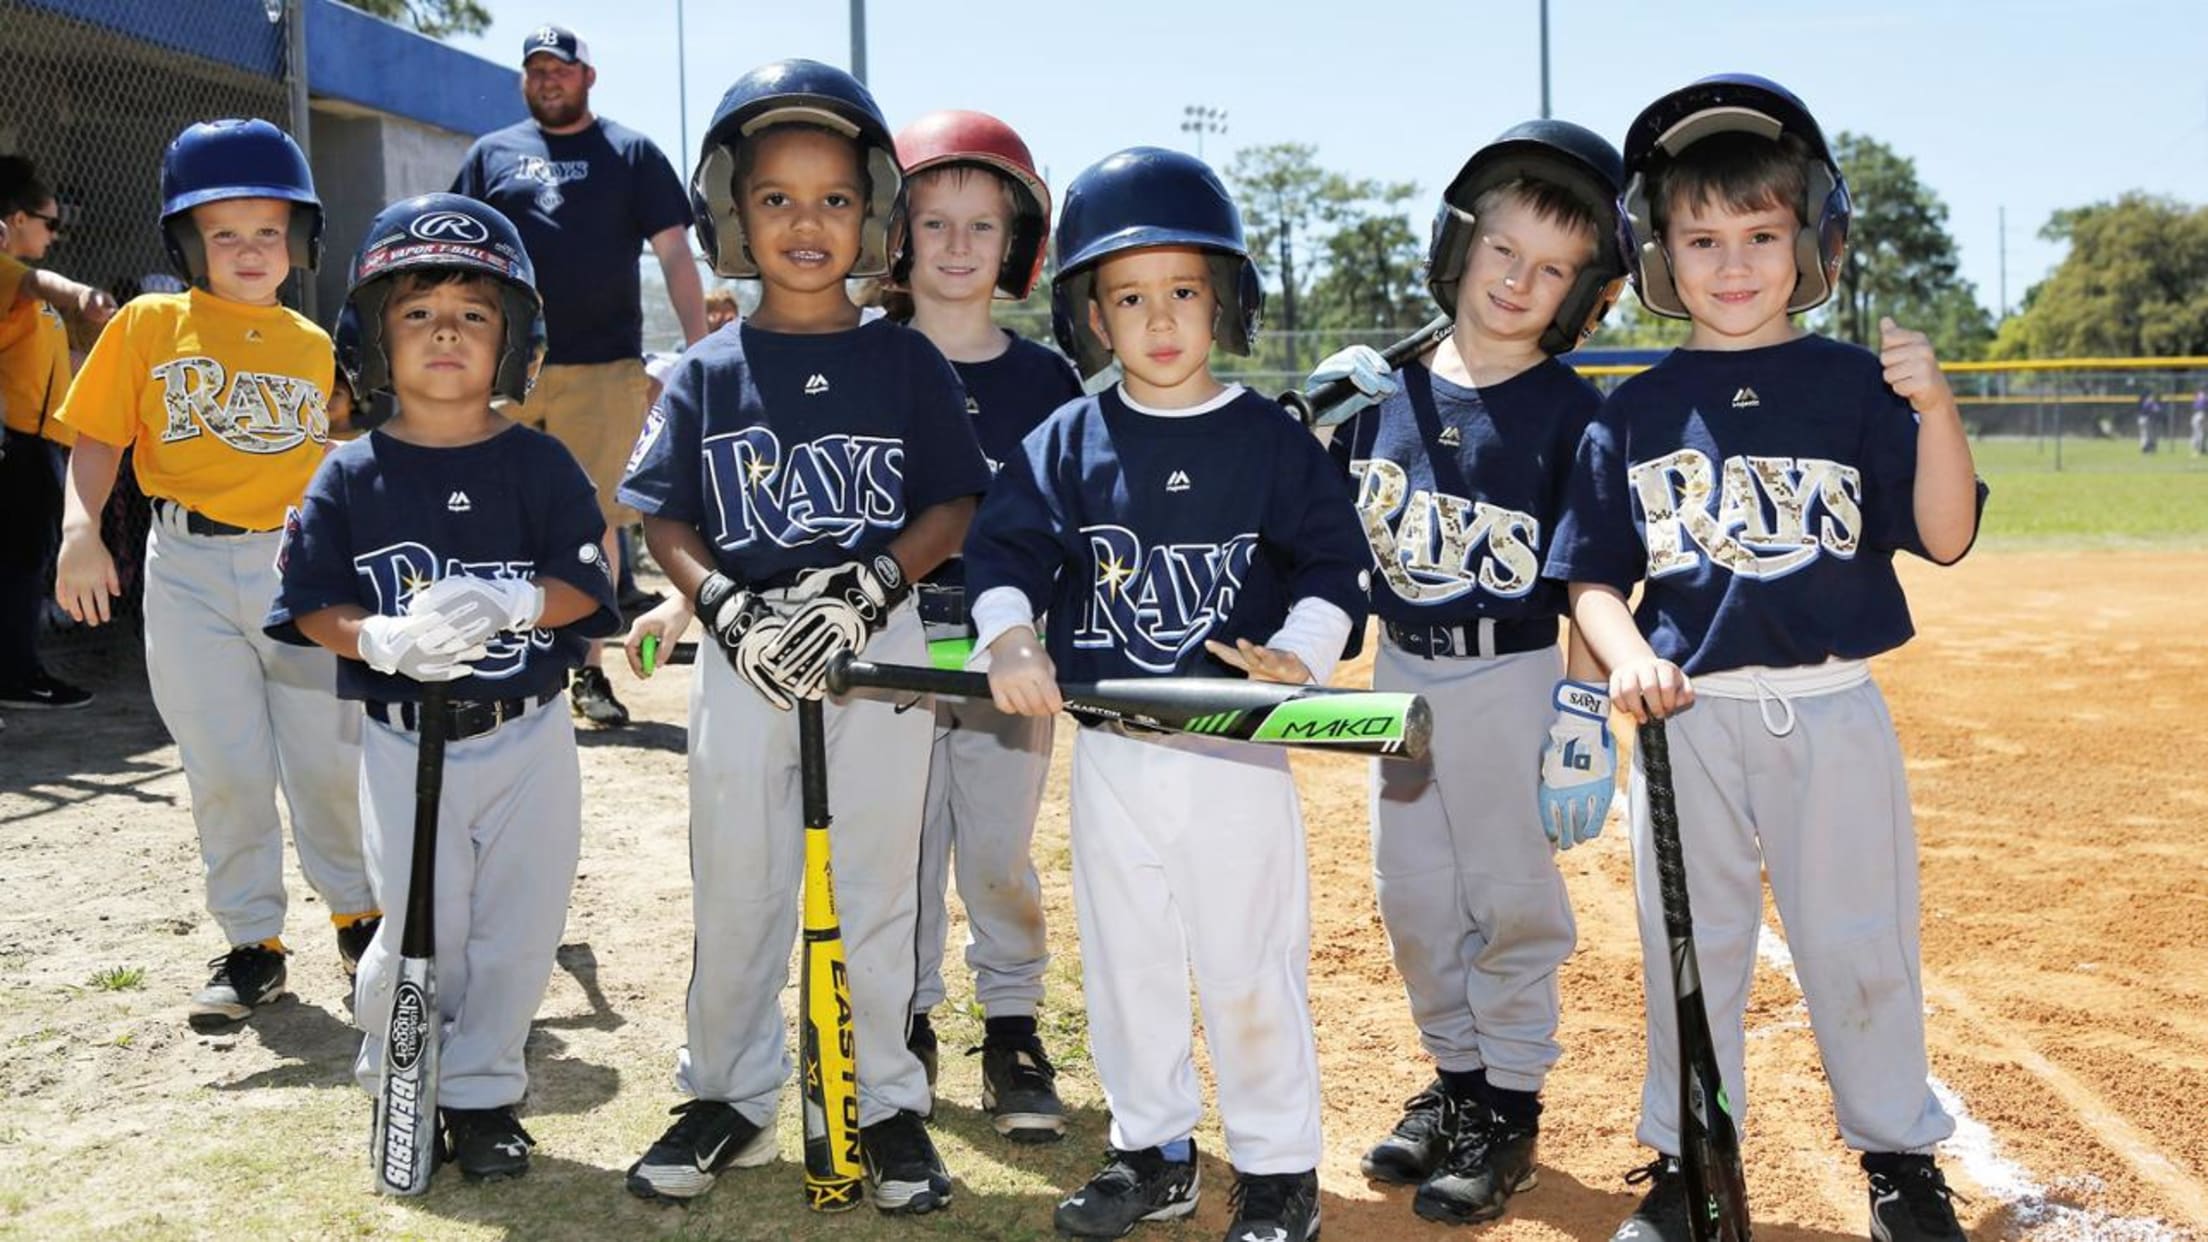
452 226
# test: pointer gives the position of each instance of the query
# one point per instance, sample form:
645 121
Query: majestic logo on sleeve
1758 517
251 411
1159 603
833 488
395 573
1430 546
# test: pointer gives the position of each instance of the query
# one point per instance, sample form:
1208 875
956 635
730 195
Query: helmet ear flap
1445 254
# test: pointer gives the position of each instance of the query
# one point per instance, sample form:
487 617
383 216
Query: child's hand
94 306
1022 679
84 578
665 622
1262 663
1911 369
1650 689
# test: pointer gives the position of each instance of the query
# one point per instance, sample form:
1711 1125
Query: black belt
471 718
1464 639
942 604
200 524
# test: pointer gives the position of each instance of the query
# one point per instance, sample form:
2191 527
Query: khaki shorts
596 411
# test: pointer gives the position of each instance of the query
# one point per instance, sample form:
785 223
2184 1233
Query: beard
565 113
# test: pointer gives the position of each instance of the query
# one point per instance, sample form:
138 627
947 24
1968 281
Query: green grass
2105 493
117 979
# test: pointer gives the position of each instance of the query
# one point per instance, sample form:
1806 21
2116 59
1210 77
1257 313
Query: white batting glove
1365 369
480 608
747 631
869 588
811 638
421 648
1579 769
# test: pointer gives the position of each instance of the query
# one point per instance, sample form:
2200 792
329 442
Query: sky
2027 105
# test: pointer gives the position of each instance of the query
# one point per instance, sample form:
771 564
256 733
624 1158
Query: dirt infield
2060 782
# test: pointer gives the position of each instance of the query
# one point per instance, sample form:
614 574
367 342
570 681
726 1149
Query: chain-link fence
94 104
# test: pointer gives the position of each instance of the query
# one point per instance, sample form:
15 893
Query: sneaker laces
698 1117
246 952
1424 1111
460 1122
1264 1196
1124 1171
1025 1073
898 1140
1923 1190
1667 1189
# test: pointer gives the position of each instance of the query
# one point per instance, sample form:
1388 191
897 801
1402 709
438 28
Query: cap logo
546 35
453 226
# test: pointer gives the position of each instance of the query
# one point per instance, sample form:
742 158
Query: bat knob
1418 728
839 673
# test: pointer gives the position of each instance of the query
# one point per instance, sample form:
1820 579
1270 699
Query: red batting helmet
954 137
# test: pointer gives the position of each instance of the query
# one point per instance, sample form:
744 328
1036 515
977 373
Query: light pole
858 40
682 84
1199 120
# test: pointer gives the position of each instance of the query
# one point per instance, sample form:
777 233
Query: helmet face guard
1571 157
954 139
440 233
1138 199
1732 103
214 161
794 92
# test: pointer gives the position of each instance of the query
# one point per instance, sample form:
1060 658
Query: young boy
453 545
799 472
1162 519
1756 484
1460 473
977 222
220 393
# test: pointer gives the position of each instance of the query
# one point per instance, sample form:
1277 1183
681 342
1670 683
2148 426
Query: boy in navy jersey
801 469
1169 526
977 223
1460 469
1756 484
452 545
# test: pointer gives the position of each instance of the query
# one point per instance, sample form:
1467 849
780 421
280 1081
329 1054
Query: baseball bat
1709 1142
1361 722
1313 407
405 1145
830 1055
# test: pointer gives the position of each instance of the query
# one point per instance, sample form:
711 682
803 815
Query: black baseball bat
1365 722
405 1143
1312 407
1709 1141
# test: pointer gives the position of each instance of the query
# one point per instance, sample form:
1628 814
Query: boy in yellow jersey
220 392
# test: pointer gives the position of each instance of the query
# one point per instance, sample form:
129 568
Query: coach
585 193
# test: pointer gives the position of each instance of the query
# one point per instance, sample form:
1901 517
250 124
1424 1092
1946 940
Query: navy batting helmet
442 232
216 160
1571 157
802 92
1729 103
1143 197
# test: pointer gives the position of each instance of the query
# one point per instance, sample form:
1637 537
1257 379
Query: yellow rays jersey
225 404
12 272
34 361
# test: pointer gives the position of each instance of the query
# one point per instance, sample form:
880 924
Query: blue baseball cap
558 41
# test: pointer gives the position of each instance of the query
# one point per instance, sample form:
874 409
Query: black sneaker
1410 1155
1275 1207
1662 1216
246 977
488 1144
592 698
709 1137
1491 1160
1019 1091
353 940
920 1040
44 692
905 1175
1910 1201
1134 1186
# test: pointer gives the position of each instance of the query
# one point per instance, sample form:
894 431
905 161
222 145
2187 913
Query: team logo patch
449 226
592 554
1430 546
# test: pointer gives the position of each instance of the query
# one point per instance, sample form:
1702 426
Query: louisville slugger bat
1361 722
1313 407
405 1145
830 1054
1709 1141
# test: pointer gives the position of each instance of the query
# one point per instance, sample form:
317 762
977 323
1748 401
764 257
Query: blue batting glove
1580 769
1364 368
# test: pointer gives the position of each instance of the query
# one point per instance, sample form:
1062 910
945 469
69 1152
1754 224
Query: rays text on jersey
832 488
1155 604
251 411
1431 546
1757 517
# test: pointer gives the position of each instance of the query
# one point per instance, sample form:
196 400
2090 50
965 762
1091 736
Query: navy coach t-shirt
585 204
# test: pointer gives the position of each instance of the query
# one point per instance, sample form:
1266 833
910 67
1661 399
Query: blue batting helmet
442 232
216 160
802 92
1729 103
1573 158
1139 198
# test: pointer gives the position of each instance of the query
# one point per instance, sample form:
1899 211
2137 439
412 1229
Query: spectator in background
2150 421
720 308
586 193
2200 423
34 376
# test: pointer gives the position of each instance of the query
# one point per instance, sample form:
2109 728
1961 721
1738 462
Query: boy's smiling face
1520 267
1155 309
803 205
1734 270
960 224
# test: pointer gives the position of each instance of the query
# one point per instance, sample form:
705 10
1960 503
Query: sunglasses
52 222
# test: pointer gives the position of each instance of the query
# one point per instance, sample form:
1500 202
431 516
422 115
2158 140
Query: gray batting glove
1365 369
480 608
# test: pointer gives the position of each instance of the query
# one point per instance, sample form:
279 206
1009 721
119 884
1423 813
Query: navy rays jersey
1459 489
383 519
1142 535
1007 397
792 451
1761 494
